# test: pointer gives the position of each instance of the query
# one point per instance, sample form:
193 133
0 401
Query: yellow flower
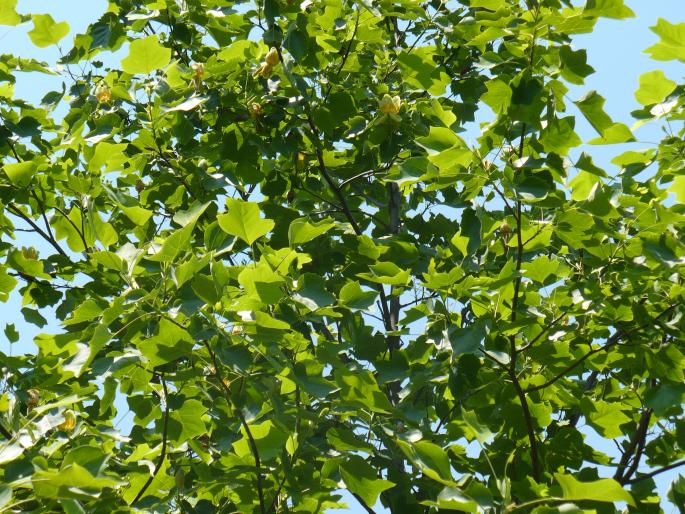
69 422
272 57
265 69
30 253
198 70
34 399
255 110
103 94
390 104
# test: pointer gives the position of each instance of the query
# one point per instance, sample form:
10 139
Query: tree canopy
262 233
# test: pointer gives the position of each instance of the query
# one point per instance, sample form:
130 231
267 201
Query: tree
262 234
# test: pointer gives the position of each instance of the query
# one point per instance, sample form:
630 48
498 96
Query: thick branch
634 450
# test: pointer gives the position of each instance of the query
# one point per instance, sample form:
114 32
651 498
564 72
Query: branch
613 340
16 211
244 424
78 230
6 433
530 426
346 208
345 56
42 213
634 450
363 503
651 474
162 455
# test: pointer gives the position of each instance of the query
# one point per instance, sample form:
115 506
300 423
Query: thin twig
15 210
244 424
363 503
162 454
613 340
345 56
657 472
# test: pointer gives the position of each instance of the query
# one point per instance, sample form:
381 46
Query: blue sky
615 51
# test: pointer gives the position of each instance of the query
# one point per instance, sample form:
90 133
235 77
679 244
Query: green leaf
268 438
174 245
46 31
186 423
5 495
592 107
387 273
429 458
583 186
575 67
604 417
312 292
361 479
481 432
676 493
146 55
137 214
608 9
360 387
654 87
354 297
672 44
604 490
11 333
20 173
302 231
492 5
345 440
678 188
170 343
72 481
8 13
242 220
498 96
453 498
559 136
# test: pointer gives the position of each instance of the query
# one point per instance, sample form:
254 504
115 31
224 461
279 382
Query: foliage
263 234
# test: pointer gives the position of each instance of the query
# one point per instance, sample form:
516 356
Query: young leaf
146 55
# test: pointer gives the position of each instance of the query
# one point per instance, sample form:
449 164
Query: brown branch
539 336
78 230
530 425
16 211
48 229
651 474
244 424
363 503
612 341
634 450
162 455
346 208
345 56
